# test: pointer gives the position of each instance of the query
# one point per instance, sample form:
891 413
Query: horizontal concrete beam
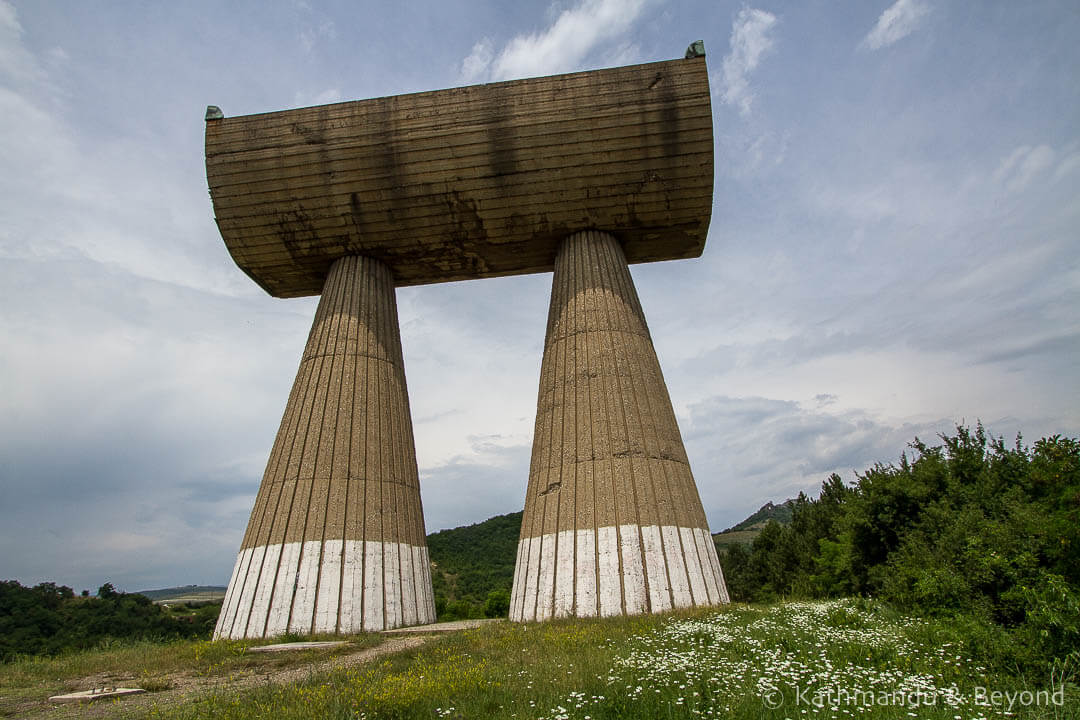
470 182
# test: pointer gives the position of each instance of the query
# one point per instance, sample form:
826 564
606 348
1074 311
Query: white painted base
623 570
326 587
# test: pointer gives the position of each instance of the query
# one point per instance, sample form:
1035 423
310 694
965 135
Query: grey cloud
1065 347
221 489
471 489
746 451
130 423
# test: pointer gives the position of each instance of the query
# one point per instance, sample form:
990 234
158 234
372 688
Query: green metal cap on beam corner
213 112
696 49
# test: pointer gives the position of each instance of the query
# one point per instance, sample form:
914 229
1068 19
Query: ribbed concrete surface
613 523
470 182
336 540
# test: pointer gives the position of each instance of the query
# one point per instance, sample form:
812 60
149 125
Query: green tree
970 527
497 604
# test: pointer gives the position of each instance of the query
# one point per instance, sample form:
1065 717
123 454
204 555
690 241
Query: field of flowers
792 661
836 659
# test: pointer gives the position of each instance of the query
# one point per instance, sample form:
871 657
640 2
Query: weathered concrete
336 540
470 182
613 522
294 646
443 627
104 693
357 198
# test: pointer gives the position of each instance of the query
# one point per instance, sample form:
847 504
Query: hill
186 593
744 532
470 563
769 511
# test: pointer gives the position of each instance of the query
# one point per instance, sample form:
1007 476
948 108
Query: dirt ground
185 687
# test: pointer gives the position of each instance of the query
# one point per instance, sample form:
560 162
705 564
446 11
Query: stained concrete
336 539
613 523
469 182
308 201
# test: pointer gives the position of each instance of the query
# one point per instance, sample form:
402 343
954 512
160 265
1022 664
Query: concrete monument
581 174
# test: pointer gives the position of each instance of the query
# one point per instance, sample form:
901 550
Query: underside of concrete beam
470 182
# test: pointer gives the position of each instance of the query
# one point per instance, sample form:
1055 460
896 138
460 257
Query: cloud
130 417
1022 166
562 47
488 480
746 450
1069 164
68 196
19 69
750 41
475 66
8 16
897 22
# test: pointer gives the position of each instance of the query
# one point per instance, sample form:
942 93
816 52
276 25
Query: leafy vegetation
473 568
971 529
49 619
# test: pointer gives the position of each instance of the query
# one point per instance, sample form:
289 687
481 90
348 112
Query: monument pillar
356 198
336 540
613 522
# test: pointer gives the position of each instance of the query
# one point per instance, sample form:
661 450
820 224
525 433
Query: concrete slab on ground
95 694
285 647
441 627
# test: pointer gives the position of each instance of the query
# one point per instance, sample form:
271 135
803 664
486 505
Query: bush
969 528
48 619
497 604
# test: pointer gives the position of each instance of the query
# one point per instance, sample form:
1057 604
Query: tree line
49 619
970 529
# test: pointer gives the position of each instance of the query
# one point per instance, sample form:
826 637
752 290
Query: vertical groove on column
336 538
632 536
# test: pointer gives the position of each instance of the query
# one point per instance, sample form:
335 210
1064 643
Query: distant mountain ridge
745 532
183 591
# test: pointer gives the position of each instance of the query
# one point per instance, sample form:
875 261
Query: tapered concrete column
336 540
613 523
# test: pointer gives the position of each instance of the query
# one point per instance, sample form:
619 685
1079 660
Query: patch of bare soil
185 687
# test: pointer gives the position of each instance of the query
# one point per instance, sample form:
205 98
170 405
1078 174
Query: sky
894 249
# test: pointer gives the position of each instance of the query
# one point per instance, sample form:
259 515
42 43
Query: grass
146 664
835 660
790 661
